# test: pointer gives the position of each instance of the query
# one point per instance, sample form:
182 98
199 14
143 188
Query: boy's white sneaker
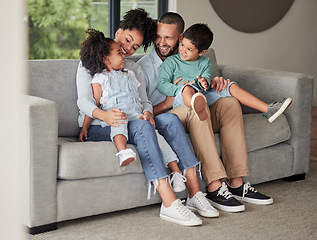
178 213
275 109
199 203
126 156
178 182
198 104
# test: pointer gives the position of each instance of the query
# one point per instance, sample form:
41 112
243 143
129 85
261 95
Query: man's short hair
200 35
173 18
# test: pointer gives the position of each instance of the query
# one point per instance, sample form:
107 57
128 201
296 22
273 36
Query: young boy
194 89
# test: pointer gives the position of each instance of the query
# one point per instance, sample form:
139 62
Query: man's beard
173 51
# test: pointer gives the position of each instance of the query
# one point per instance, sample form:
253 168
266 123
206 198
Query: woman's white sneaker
178 213
178 182
199 203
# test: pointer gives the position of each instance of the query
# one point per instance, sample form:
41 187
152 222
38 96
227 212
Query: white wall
290 45
12 83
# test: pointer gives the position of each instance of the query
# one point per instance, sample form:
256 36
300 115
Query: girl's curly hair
93 50
139 19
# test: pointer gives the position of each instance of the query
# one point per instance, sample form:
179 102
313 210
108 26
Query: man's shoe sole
255 201
233 209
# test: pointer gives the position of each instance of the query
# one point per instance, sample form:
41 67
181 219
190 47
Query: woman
137 30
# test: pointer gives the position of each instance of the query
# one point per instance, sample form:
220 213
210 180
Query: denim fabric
142 135
171 128
122 94
211 95
178 101
167 151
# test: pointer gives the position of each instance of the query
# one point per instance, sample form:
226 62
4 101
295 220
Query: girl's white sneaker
126 156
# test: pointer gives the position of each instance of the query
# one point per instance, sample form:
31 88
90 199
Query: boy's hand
177 81
83 135
203 82
219 83
147 116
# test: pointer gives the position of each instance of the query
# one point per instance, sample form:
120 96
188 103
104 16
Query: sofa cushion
79 160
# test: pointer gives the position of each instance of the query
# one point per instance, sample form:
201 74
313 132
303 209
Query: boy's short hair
173 18
200 35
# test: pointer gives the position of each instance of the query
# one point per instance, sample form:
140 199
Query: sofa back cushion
55 80
211 54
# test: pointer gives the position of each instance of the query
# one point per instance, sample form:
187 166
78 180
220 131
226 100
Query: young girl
113 87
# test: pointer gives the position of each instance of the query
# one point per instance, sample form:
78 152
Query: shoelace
246 188
176 175
223 191
182 209
201 199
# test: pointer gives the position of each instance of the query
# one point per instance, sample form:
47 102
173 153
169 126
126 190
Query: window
57 28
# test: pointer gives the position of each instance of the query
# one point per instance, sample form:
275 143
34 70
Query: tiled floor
313 145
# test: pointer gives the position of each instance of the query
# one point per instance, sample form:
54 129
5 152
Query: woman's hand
219 83
147 116
112 117
83 134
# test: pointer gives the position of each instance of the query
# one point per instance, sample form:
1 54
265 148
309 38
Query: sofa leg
43 228
294 178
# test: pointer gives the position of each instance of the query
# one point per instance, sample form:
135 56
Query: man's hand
219 83
147 116
203 82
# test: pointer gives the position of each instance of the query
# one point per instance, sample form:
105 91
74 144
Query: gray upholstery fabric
55 80
79 160
89 160
274 162
64 179
272 85
40 166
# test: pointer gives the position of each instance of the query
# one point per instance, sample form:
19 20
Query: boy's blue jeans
211 95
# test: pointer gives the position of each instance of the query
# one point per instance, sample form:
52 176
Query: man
225 117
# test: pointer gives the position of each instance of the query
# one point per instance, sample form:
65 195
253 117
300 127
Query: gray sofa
65 179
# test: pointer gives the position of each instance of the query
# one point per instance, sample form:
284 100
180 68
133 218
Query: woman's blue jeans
171 128
142 134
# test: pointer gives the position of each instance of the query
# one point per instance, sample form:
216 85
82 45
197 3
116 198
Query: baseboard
296 177
41 229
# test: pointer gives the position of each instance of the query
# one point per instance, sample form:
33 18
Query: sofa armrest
40 163
273 85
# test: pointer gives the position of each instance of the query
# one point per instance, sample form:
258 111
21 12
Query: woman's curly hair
93 50
139 19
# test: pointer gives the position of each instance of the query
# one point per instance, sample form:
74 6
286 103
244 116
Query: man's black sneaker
224 200
248 194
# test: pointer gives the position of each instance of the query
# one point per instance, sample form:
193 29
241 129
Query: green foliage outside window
57 28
